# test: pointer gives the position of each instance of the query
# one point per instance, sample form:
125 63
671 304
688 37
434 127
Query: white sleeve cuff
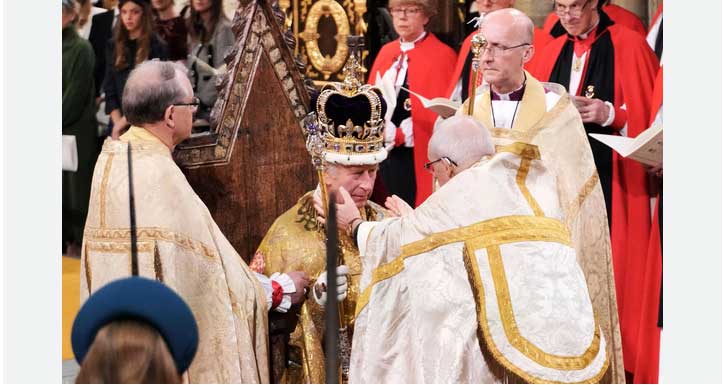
363 232
287 288
268 290
611 115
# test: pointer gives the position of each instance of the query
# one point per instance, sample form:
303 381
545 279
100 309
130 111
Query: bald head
151 87
461 139
515 23
485 6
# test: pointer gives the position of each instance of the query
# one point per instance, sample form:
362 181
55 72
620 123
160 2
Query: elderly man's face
183 115
501 63
577 16
409 20
357 180
485 6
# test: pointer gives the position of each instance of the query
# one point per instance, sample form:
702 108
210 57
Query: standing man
419 62
518 107
353 137
609 70
179 243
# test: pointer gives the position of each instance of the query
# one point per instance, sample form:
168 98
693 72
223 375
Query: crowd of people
501 244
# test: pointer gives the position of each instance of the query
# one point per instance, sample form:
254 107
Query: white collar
406 46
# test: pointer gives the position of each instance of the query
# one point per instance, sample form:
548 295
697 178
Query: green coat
78 119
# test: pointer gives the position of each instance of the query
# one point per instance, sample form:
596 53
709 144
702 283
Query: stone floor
70 370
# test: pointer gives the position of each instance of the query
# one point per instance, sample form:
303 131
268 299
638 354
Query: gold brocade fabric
180 245
296 241
559 134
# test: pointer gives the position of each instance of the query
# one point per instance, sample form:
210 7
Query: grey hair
462 139
151 87
68 5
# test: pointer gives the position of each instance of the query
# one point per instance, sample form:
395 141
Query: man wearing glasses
459 82
179 243
609 71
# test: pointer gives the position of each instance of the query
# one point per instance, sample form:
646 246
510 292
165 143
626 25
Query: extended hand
397 206
320 287
301 280
591 110
347 211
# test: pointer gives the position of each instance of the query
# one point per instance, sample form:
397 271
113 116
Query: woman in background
210 39
133 42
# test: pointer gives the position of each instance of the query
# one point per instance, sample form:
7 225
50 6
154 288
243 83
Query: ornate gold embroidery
87 267
527 152
104 185
586 190
107 240
108 247
495 231
510 327
487 346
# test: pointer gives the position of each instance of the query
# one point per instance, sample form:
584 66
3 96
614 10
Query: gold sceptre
476 45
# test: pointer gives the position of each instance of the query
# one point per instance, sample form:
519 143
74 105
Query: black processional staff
331 337
132 209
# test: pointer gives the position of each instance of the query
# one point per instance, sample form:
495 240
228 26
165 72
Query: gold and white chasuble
503 274
296 241
180 245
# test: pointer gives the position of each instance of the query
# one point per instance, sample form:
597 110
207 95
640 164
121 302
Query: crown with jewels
347 123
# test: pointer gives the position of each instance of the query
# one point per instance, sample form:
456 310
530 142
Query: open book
441 106
647 147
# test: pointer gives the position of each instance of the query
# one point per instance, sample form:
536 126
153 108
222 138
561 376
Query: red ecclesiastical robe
646 363
624 56
618 14
430 65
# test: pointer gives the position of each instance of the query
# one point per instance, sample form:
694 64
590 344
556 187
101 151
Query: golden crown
348 127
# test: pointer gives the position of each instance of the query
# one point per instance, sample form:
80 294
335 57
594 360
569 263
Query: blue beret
142 299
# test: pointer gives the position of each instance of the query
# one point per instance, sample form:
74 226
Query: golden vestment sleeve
296 242
180 245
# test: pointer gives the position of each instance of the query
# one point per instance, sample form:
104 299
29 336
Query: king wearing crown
344 136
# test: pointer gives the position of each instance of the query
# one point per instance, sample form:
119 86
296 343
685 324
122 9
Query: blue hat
142 299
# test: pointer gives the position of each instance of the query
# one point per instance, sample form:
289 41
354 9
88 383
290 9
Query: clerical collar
408 45
513 96
584 35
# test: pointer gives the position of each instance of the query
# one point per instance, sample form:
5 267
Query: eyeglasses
403 12
428 165
195 102
497 49
573 10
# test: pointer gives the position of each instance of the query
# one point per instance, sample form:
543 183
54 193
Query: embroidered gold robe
480 284
558 132
294 242
179 244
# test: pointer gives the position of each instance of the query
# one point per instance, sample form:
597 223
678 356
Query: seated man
482 277
352 132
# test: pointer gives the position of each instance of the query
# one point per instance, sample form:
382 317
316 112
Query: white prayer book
441 106
70 153
646 148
